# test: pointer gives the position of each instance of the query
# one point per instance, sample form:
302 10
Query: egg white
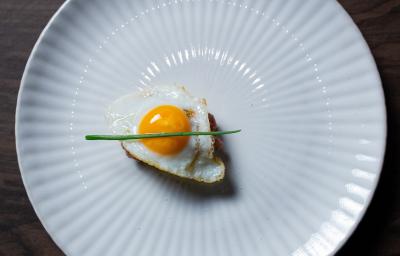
196 161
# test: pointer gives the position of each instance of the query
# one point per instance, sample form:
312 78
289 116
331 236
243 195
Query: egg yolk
165 118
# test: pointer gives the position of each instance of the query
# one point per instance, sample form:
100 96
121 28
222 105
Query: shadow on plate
194 190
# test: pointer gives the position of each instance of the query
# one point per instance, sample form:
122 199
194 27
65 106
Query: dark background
21 22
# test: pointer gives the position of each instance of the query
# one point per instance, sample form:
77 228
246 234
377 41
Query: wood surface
21 233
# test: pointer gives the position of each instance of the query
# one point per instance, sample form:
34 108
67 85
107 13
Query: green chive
155 135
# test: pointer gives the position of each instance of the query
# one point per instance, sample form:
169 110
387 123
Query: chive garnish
155 135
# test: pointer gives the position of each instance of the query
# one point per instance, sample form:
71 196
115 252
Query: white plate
296 76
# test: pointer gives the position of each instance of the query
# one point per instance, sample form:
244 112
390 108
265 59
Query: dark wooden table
21 22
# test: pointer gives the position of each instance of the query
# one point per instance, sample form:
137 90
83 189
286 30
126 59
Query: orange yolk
165 118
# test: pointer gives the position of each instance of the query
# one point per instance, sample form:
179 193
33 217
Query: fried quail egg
168 109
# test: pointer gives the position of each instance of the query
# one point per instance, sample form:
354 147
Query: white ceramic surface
295 75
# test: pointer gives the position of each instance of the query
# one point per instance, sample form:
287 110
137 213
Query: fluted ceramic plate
297 78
